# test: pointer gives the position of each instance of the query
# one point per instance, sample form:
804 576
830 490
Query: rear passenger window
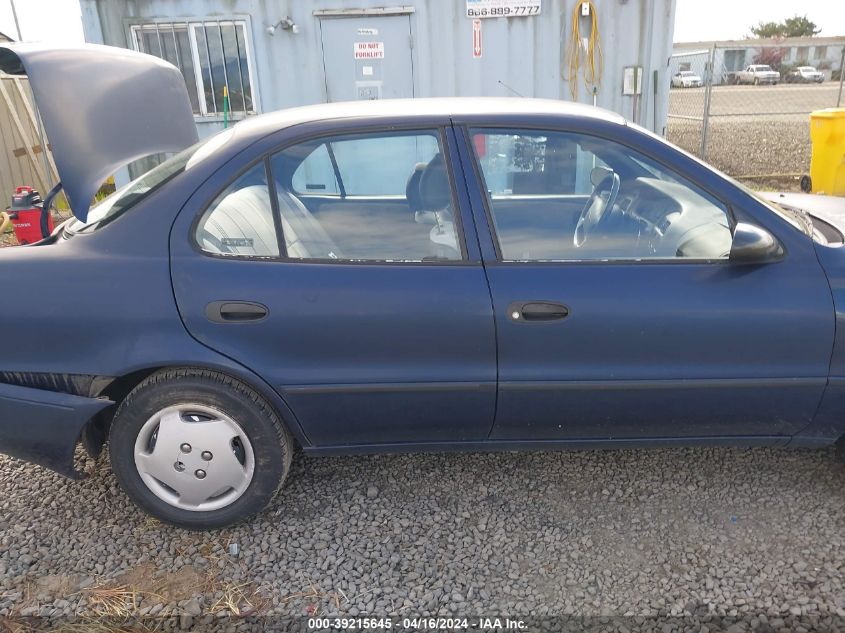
240 221
316 174
368 197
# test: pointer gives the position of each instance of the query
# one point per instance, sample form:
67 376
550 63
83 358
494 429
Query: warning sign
369 50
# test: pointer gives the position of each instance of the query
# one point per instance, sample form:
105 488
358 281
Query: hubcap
194 457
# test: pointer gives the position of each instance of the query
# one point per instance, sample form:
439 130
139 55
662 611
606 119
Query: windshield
807 69
126 197
686 73
762 68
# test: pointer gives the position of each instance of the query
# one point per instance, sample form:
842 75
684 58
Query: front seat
435 199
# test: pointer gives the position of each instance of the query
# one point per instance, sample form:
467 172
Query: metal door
367 57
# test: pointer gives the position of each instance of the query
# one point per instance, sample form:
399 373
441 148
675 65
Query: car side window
381 196
316 174
240 221
563 196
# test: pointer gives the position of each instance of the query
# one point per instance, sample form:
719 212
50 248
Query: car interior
418 226
633 210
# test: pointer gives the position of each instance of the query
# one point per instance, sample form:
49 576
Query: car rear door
307 261
620 338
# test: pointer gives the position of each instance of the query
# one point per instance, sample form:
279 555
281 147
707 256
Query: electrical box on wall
632 80
368 90
585 9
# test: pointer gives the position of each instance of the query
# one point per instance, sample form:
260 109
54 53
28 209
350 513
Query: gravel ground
752 534
751 147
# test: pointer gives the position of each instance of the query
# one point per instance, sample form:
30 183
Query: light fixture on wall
286 23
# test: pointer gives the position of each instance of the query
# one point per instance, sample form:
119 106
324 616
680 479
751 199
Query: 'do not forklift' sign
369 50
502 8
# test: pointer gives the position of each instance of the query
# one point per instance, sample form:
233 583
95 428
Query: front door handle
235 311
535 311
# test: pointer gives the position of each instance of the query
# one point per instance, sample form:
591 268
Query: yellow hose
592 59
5 222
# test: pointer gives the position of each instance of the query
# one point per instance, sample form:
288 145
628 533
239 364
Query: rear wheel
199 449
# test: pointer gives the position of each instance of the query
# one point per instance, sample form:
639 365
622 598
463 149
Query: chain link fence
747 110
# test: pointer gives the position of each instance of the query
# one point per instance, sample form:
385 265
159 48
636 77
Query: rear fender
43 427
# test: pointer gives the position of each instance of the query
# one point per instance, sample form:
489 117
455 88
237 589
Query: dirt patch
56 586
166 585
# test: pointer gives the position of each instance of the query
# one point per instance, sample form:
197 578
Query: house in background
273 54
825 53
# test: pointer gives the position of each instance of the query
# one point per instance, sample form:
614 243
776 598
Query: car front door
618 313
342 266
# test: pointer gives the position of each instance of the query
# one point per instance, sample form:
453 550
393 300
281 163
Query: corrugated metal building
274 54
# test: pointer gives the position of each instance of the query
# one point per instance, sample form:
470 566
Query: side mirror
754 245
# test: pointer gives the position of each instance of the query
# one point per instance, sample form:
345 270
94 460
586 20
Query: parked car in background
757 74
686 79
392 276
804 75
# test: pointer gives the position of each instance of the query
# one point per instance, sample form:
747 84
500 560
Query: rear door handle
535 311
235 311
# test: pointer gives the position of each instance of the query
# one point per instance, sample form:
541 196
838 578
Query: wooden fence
21 155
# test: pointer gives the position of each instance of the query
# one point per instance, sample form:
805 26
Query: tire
806 184
199 416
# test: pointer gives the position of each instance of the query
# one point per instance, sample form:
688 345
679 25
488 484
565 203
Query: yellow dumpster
827 166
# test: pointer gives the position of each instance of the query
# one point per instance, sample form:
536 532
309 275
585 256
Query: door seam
461 146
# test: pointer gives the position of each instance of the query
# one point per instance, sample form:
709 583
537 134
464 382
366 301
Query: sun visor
102 107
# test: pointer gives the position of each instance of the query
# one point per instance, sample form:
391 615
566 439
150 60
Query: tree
796 26
771 56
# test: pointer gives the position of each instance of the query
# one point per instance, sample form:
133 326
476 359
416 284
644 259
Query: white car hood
831 209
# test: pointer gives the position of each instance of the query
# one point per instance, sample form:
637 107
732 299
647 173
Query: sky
697 20
59 20
54 20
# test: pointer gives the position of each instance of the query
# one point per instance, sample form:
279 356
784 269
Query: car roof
435 107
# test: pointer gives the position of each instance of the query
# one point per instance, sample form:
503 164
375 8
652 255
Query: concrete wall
525 53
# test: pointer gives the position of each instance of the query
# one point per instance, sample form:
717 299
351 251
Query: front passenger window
562 196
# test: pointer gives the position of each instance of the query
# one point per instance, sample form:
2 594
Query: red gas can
27 218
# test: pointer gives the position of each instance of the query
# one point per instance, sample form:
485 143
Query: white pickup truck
757 74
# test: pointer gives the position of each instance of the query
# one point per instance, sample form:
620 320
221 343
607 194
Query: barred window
211 55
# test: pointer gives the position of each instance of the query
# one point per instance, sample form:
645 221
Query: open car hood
102 107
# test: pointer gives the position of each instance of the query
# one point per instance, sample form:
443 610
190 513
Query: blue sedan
435 274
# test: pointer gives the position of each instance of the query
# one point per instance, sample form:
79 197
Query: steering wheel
600 202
